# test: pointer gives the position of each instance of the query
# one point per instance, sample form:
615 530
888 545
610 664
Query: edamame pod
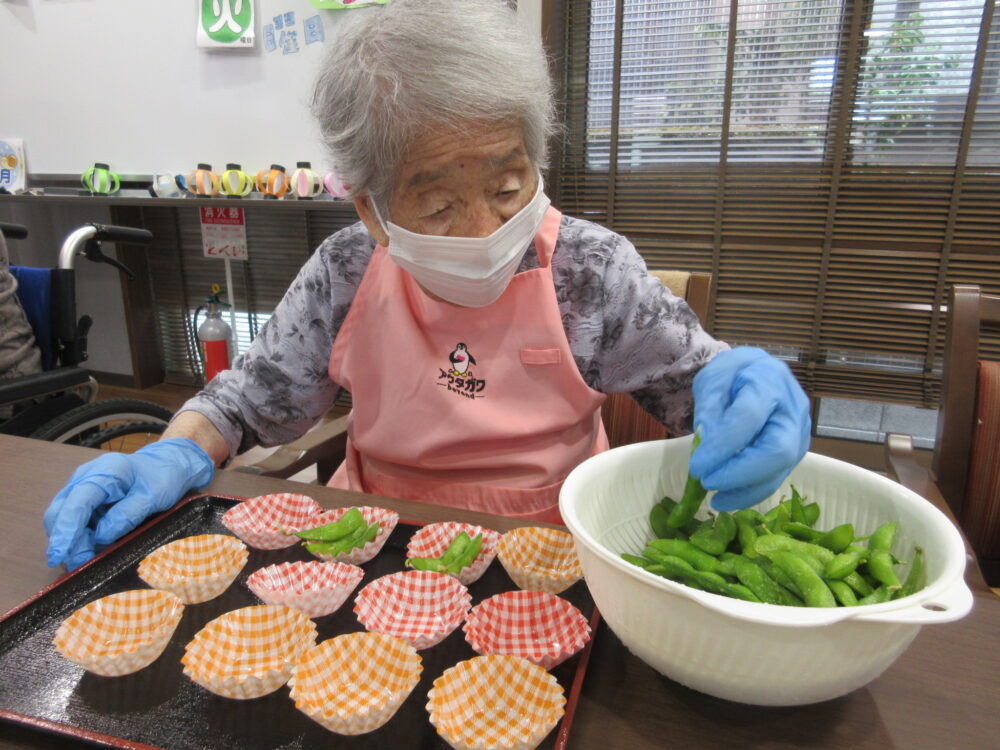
858 584
768 543
694 494
814 590
802 532
762 585
746 519
727 564
471 551
658 515
778 575
811 512
642 562
838 538
716 584
680 570
776 518
880 566
320 548
844 593
347 524
845 563
715 538
797 513
879 595
915 578
884 536
456 548
686 551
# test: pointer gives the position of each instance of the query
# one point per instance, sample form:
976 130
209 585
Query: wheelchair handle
13 231
88 237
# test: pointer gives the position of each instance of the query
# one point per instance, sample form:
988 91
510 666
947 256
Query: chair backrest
969 313
624 420
34 291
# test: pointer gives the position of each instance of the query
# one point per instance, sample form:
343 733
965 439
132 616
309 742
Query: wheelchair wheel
121 421
127 437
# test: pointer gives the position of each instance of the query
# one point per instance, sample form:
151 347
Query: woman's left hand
755 426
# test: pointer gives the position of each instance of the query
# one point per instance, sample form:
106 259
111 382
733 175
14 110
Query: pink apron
476 408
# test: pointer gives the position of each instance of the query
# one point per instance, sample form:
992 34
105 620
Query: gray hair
416 65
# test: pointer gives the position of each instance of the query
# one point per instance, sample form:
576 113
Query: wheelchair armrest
42 383
325 446
903 466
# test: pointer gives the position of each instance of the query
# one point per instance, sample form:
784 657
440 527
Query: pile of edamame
778 557
340 537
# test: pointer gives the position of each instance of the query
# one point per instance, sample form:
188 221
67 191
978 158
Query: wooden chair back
969 313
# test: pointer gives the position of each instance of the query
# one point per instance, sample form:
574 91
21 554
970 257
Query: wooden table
944 692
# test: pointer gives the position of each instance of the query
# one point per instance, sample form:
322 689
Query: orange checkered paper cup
433 539
315 588
387 520
196 568
261 521
355 683
419 606
248 652
495 702
536 625
121 633
540 559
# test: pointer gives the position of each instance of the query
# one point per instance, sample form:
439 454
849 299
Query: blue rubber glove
108 497
755 426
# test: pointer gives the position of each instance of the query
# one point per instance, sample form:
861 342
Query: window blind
834 163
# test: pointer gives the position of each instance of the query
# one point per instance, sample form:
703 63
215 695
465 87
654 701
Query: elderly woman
476 328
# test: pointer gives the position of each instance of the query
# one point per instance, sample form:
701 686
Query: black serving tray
159 707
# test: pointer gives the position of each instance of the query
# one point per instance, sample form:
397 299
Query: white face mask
468 271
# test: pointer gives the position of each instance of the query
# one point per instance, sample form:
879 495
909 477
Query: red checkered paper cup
261 521
315 588
387 520
536 625
418 606
196 568
355 683
495 703
433 539
248 652
539 558
121 633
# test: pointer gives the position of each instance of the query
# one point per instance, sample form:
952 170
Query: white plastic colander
744 651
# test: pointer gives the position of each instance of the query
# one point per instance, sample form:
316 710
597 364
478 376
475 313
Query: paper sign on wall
223 233
12 169
225 24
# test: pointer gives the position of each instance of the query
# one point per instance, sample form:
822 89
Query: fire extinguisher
214 335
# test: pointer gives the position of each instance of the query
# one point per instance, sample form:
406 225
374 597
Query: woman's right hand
108 497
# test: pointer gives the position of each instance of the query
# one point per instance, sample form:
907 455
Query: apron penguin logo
458 378
460 360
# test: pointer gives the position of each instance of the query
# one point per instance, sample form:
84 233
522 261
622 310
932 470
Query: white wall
125 83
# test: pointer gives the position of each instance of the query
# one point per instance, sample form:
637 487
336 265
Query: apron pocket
551 356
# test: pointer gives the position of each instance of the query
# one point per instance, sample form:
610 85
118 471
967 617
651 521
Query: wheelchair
59 404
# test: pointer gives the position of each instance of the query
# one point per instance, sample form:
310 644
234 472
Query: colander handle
952 604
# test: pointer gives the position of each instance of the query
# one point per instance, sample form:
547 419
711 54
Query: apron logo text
458 377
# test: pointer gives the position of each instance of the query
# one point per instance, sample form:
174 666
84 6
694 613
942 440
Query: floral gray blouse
627 332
